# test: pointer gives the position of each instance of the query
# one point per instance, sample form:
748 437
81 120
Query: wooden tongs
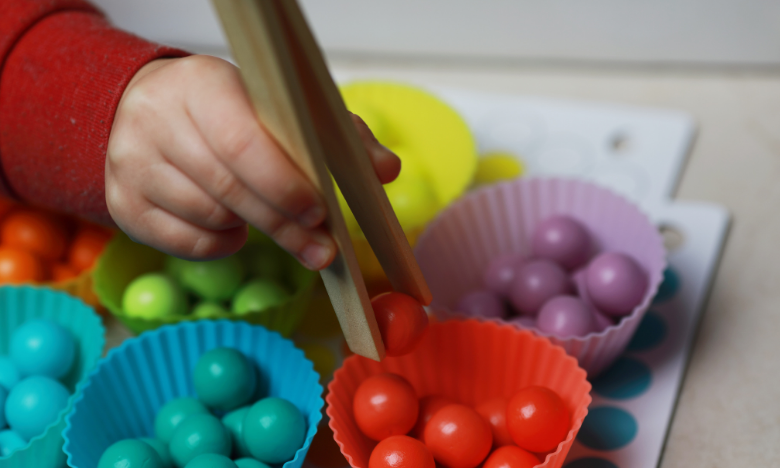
298 102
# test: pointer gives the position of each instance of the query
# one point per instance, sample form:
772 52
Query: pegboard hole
620 143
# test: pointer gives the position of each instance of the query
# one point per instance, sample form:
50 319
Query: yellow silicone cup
431 138
123 260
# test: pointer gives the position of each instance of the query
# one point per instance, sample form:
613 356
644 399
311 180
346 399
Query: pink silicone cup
500 219
469 361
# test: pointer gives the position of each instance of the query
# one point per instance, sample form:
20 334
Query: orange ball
87 246
385 405
494 412
35 231
62 272
458 437
402 322
511 457
401 452
428 407
19 266
537 419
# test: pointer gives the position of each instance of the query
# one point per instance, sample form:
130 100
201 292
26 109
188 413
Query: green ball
130 453
250 463
154 295
211 460
197 435
265 261
224 379
274 429
173 266
258 295
214 280
209 309
162 450
234 422
173 413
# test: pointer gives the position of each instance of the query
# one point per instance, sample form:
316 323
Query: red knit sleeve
64 69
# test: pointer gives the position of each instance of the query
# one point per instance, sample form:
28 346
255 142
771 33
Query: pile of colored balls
188 433
31 396
501 432
38 246
563 290
256 278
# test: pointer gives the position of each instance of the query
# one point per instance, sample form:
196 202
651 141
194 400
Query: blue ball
199 434
33 404
130 453
250 463
224 379
10 442
210 460
43 347
3 396
274 429
162 450
234 422
9 374
173 413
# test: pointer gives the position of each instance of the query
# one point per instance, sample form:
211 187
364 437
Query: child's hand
189 165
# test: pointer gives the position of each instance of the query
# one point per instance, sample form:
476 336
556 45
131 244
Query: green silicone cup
123 260
17 306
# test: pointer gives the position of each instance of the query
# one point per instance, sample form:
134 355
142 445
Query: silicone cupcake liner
499 219
81 287
469 361
122 395
124 260
20 304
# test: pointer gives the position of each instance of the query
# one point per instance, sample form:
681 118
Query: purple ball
615 283
537 282
482 303
601 321
565 316
524 321
500 272
563 240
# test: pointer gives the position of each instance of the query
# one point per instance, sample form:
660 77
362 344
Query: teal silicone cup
20 304
123 394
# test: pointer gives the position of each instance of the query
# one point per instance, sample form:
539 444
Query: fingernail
312 217
316 255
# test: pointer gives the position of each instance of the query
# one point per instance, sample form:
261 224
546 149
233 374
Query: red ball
537 419
494 412
385 405
458 437
402 322
428 407
511 457
401 452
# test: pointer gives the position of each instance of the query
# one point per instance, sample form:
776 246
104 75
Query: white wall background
741 32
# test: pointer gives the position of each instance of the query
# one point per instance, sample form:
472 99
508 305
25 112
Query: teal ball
43 347
130 453
234 422
9 374
197 435
33 404
162 450
250 463
10 442
224 379
274 429
210 460
173 413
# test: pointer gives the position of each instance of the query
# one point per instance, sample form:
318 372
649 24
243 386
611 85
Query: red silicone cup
469 361
499 219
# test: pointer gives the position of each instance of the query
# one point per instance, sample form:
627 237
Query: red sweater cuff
59 90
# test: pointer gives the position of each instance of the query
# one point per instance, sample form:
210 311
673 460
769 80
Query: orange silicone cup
469 361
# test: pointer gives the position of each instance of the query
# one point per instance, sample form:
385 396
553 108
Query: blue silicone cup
20 304
122 395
